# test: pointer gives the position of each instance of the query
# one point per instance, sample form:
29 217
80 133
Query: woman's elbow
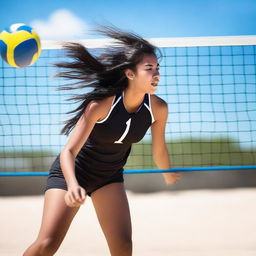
67 152
159 150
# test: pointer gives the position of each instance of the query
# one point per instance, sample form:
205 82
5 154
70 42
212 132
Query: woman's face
147 76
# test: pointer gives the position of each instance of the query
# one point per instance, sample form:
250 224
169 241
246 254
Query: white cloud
62 24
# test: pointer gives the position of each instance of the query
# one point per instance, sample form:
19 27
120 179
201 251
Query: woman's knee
47 246
122 247
127 246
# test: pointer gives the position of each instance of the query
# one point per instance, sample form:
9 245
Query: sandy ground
191 223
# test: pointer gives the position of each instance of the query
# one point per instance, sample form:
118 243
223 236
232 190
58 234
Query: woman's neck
132 100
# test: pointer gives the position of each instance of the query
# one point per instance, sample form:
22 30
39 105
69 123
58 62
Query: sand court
187 223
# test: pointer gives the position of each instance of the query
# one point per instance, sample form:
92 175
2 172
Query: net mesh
210 91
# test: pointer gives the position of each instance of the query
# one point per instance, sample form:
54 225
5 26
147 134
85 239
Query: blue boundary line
189 169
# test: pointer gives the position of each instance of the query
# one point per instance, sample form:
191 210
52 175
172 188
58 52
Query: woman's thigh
112 208
57 216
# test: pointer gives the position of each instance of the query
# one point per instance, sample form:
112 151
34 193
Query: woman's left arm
159 148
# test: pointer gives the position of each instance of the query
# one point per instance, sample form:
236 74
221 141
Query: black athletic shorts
89 179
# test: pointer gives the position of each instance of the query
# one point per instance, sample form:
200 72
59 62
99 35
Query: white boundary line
163 42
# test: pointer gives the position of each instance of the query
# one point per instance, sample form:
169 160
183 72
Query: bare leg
111 205
57 217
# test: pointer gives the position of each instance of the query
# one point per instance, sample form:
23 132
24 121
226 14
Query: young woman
115 114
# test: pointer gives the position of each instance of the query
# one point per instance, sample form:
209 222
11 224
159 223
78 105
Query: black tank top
109 144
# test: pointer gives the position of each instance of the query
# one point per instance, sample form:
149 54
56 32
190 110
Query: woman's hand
171 178
75 196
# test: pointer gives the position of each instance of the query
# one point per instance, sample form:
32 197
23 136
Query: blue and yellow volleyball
20 45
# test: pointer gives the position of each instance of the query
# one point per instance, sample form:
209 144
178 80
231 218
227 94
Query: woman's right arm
76 194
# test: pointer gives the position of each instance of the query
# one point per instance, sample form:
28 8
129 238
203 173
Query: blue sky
150 18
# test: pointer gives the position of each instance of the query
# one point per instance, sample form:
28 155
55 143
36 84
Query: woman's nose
157 74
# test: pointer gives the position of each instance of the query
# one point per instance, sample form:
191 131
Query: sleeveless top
109 143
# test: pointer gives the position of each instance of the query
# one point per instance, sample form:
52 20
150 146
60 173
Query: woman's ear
129 74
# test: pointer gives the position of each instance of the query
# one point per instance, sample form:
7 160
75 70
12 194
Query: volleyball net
208 83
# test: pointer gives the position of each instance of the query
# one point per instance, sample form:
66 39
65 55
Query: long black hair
104 73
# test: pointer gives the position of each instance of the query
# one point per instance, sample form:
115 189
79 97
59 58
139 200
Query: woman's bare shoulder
158 104
102 106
